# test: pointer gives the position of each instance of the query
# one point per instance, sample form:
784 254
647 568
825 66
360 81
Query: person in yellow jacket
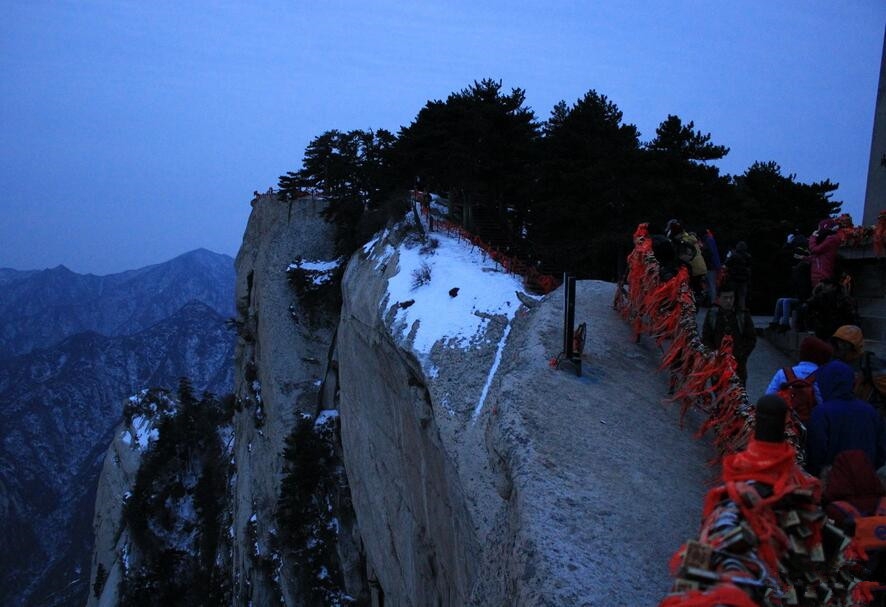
689 252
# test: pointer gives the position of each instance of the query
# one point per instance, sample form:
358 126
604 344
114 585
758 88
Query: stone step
875 308
789 341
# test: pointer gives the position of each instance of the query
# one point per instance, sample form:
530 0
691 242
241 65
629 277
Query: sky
135 131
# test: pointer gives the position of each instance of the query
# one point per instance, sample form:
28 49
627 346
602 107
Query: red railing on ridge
702 378
533 279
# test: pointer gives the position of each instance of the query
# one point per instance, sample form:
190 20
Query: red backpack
798 393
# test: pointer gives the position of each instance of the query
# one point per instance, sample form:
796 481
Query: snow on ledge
142 430
484 289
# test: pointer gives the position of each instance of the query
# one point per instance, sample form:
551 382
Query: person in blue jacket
842 422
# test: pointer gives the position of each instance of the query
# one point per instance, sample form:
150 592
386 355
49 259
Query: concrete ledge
865 252
873 327
788 343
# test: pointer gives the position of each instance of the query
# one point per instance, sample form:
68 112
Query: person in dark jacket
842 422
801 280
663 249
724 319
828 308
738 272
795 274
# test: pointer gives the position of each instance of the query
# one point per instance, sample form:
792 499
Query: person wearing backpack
796 385
689 253
842 422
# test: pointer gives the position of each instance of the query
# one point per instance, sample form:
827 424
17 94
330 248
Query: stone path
614 485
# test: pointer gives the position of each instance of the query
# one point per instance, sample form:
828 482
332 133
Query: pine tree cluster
306 515
174 510
565 193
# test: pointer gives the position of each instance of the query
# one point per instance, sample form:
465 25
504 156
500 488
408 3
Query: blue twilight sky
133 131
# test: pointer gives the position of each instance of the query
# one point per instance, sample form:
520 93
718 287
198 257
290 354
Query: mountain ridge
39 308
62 395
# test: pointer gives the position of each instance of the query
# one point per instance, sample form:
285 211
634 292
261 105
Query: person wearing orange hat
848 343
870 371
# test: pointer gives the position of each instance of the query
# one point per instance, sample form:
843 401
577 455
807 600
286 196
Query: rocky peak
433 454
58 406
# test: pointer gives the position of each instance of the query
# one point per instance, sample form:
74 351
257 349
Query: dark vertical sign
569 314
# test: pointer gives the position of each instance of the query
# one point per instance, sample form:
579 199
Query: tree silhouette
477 147
566 193
678 139
351 170
675 176
588 159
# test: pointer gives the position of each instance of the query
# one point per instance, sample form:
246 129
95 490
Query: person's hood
835 380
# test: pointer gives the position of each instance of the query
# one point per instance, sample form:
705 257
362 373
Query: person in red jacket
823 247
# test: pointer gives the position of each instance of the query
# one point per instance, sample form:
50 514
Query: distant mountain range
40 308
72 348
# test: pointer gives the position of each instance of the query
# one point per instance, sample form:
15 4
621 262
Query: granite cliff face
283 354
416 541
399 431
482 476
280 539
382 451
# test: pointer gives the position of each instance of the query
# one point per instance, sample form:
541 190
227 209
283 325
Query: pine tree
477 147
675 174
587 171
350 170
678 139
